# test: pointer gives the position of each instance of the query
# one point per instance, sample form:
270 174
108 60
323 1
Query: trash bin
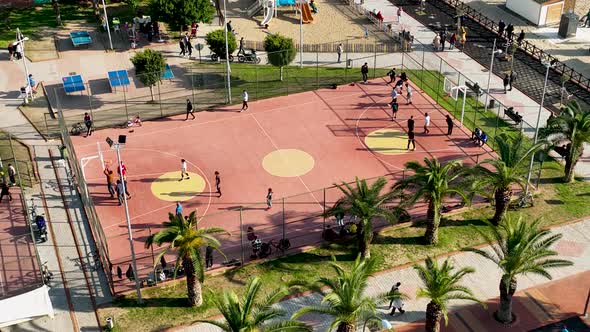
349 63
110 323
492 104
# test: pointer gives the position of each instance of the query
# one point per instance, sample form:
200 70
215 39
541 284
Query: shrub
216 42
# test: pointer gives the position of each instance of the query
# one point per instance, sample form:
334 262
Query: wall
528 9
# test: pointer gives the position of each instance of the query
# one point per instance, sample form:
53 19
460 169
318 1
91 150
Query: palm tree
571 127
503 173
344 296
366 203
252 314
518 247
441 285
433 182
187 239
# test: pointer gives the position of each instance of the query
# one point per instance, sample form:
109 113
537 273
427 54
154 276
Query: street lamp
20 40
548 65
228 69
117 147
106 18
490 74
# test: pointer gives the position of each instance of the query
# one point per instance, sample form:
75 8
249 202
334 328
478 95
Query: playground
328 25
341 134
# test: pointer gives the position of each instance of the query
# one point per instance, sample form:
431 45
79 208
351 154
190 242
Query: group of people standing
507 31
117 187
441 38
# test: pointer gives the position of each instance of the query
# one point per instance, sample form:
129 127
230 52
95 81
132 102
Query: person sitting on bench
475 134
483 139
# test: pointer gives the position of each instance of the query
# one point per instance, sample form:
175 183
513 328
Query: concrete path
573 246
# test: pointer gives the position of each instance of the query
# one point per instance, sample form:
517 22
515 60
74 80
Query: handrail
526 46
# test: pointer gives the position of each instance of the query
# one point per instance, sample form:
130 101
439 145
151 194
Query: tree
571 127
216 42
183 235
280 50
344 296
441 285
518 248
366 203
149 66
501 174
181 13
133 4
251 314
432 182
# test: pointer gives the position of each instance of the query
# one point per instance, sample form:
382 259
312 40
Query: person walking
5 191
11 174
501 27
509 31
426 123
365 72
520 38
452 41
189 47
183 170
120 191
463 36
505 82
411 140
182 47
391 75
245 98
189 109
436 42
110 178
450 125
443 39
512 77
178 210
400 11
393 96
218 183
411 123
394 109
269 199
396 303
241 48
88 123
208 257
408 94
339 50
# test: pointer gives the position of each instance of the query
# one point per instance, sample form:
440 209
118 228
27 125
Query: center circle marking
167 186
387 141
288 163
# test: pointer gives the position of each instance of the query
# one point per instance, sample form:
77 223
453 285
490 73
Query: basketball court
296 145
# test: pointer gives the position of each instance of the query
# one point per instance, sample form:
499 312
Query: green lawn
166 306
34 21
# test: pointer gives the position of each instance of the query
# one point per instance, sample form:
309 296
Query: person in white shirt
426 123
244 101
408 94
339 51
393 96
183 170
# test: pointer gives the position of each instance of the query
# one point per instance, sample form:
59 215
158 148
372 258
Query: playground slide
307 18
270 11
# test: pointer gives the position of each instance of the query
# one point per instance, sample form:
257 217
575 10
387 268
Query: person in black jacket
501 27
365 72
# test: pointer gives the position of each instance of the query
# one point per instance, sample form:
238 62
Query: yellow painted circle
167 187
288 162
387 141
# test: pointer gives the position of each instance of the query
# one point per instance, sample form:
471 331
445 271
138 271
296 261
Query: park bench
515 116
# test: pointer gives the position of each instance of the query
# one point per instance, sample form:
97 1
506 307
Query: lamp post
300 33
228 69
20 40
548 65
106 19
490 75
117 147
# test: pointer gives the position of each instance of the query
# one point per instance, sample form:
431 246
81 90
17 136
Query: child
183 170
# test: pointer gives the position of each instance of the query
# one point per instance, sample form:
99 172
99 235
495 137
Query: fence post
160 100
438 82
46 126
497 119
15 161
324 225
422 66
153 258
241 237
256 74
193 85
90 101
283 201
125 102
374 59
346 63
317 69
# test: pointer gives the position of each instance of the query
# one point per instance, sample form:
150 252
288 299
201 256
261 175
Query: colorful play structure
269 9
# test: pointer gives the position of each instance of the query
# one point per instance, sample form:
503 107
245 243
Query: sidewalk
484 283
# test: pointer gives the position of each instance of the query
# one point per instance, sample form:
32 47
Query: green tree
432 182
366 203
149 66
280 51
499 175
181 13
251 313
518 248
441 285
133 4
571 127
344 296
184 237
216 42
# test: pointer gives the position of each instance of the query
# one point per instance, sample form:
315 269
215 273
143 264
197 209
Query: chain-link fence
17 156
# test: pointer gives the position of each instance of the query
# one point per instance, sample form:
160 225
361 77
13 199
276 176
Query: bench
515 116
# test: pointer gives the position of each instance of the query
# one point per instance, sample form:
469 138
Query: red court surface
328 125
19 271
538 309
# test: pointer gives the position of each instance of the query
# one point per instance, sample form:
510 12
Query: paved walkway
484 282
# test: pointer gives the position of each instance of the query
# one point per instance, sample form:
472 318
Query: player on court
183 170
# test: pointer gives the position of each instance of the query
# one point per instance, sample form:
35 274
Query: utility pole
228 69
106 18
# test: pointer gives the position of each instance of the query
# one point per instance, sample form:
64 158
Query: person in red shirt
122 170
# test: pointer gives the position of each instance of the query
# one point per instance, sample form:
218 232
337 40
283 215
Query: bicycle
46 274
266 248
77 129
